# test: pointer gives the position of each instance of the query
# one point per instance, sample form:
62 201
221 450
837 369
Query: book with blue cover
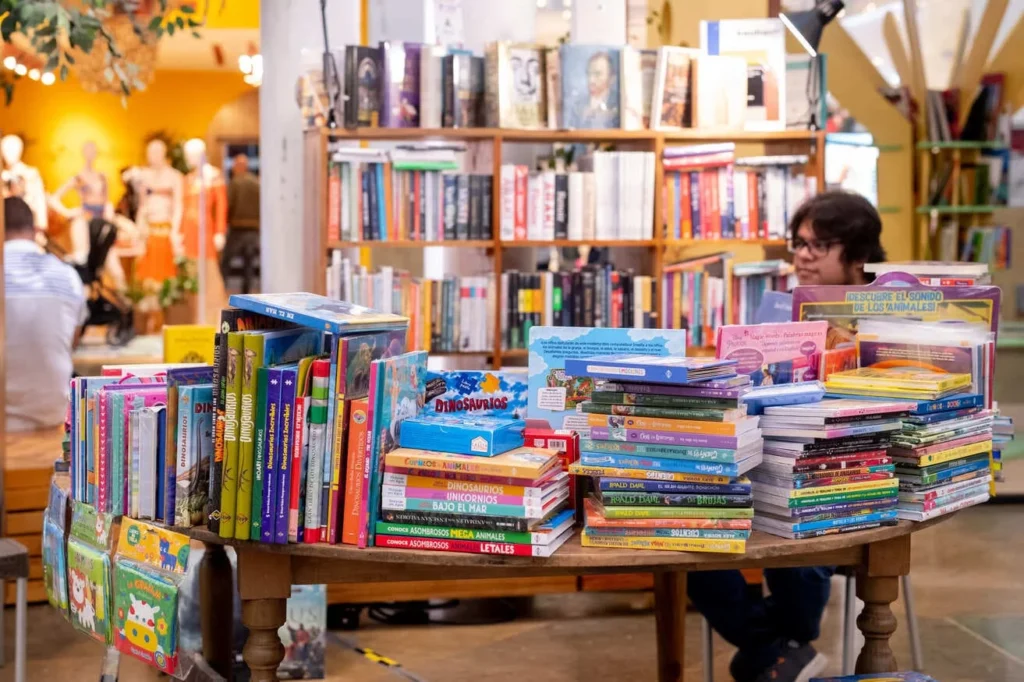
652 369
463 434
783 394
674 465
590 86
879 677
501 393
961 401
318 312
302 634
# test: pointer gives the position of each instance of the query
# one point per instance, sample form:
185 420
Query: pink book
298 429
364 511
779 353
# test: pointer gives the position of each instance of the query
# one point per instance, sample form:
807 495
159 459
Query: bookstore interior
561 340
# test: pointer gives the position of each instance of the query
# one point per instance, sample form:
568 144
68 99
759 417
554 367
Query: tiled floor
967 580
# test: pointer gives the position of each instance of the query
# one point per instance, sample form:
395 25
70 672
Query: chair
849 629
14 565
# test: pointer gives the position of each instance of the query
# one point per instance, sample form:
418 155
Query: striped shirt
45 304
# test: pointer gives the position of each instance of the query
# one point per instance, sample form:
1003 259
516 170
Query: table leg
216 607
670 621
264 584
878 586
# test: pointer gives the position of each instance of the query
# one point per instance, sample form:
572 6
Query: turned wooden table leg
878 586
216 606
670 621
264 584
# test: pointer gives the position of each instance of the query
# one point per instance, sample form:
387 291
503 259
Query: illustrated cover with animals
195 451
303 634
556 396
89 571
319 312
478 392
590 86
55 566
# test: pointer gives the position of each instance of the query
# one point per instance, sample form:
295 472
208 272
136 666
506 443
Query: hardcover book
590 86
303 634
401 85
363 81
637 79
672 103
195 452
771 354
319 312
647 368
516 93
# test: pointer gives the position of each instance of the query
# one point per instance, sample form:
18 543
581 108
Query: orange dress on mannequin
157 263
216 214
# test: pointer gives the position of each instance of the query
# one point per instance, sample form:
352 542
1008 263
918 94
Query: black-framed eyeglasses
817 247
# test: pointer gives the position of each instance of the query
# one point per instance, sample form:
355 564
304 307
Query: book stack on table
475 490
826 468
669 443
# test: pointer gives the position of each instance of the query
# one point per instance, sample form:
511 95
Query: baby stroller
106 306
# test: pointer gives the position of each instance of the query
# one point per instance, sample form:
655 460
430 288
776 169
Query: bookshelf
811 143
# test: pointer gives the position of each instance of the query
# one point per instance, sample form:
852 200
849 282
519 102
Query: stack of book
901 383
1002 434
943 456
593 296
489 496
826 469
668 446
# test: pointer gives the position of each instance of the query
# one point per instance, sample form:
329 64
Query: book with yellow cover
670 544
645 474
815 491
732 428
189 343
899 378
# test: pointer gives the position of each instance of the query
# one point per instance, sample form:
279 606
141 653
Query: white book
503 302
508 202
534 207
548 205
601 202
914 515
576 198
431 91
147 461
133 453
589 207
650 189
549 293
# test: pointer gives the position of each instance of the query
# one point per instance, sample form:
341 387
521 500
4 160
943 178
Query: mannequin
206 210
22 180
91 186
160 188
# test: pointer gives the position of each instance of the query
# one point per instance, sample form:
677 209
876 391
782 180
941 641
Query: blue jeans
760 626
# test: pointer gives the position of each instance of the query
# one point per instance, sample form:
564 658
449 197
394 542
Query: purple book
731 388
669 438
268 515
400 91
282 456
837 509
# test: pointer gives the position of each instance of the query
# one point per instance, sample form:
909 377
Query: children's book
319 312
88 557
300 450
150 467
590 86
352 500
467 435
909 381
848 409
879 677
319 395
282 456
774 353
271 449
483 393
188 343
194 449
396 393
303 634
555 393
650 368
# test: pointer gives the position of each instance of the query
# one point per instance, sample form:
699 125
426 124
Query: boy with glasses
831 237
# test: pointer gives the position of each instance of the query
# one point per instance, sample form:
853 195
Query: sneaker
797 663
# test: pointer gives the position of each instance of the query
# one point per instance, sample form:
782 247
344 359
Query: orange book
685 208
334 201
417 178
755 215
673 425
354 468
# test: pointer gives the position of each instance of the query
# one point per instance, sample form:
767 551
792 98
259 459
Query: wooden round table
267 572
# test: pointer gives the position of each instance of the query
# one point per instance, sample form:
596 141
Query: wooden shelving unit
811 143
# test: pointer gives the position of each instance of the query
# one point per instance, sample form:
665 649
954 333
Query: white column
289 258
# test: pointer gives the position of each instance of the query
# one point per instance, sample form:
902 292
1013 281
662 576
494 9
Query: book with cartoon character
396 393
303 634
88 563
193 450
55 570
555 395
484 393
319 312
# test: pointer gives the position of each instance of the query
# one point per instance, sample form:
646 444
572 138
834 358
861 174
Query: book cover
761 43
501 393
303 634
671 106
741 486
623 461
195 451
398 395
896 378
589 86
229 473
363 83
463 434
400 90
188 343
718 96
543 534
650 368
553 79
773 353
517 94
259 456
555 393
472 546
319 312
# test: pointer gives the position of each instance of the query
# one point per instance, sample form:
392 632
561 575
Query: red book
520 204
699 161
467 546
334 202
566 442
358 420
715 227
417 179
754 216
685 212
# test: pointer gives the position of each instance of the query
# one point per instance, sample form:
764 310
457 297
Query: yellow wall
55 121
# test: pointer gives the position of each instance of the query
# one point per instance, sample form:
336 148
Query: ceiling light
542 3
48 78
567 14
21 69
10 62
34 74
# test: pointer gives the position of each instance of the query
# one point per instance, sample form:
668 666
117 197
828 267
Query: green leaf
49 47
155 22
64 72
53 62
180 22
187 9
125 89
69 58
193 23
170 29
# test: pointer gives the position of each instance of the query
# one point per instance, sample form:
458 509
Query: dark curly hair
847 218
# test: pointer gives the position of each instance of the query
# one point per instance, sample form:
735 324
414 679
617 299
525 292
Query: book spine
317 447
352 501
259 457
666 512
461 485
329 530
463 546
451 204
103 467
468 521
407 473
655 464
633 435
398 492
451 507
372 415
229 480
612 472
184 460
655 424
694 533
486 207
675 499
462 207
298 431
670 544
682 413
220 353
853 496
333 201
168 453
268 513
561 228
251 360
474 207
483 467
283 455
628 485
448 533
520 209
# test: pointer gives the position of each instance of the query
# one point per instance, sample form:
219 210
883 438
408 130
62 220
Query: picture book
396 393
189 343
516 93
671 107
501 393
773 353
590 86
88 563
319 312
302 634
146 603
894 295
463 434
194 452
555 393
400 87
354 470
363 81
762 44
653 369
55 566
357 351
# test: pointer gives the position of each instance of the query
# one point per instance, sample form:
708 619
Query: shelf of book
810 143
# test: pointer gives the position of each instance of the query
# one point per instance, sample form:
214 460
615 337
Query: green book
252 359
656 400
855 496
695 414
229 478
665 512
259 446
